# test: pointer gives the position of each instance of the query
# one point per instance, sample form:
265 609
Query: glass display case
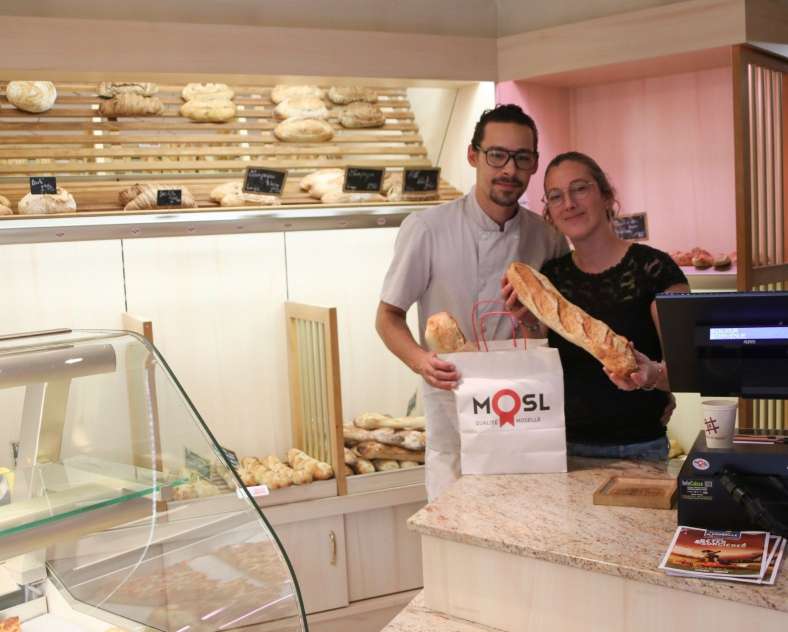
119 510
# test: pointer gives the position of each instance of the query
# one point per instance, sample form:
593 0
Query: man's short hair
504 113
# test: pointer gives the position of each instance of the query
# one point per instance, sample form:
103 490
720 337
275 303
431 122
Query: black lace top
596 410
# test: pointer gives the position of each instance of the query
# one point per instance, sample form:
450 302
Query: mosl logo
506 403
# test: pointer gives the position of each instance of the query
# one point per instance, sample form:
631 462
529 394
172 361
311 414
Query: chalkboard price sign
40 185
366 180
420 180
168 197
267 181
232 457
634 226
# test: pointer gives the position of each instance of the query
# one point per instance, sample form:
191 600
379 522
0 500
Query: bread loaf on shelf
31 96
49 203
540 296
130 104
207 91
370 421
392 189
208 110
385 465
361 115
354 435
374 450
320 182
304 131
363 466
281 92
342 95
144 197
5 206
232 194
109 89
301 108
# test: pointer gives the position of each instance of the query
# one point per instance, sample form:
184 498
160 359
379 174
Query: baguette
540 296
374 450
354 434
370 421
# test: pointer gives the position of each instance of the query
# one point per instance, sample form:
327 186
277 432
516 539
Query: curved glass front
125 498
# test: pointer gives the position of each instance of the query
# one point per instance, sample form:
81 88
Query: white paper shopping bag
510 406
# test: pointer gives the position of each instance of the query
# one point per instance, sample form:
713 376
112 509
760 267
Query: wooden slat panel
89 153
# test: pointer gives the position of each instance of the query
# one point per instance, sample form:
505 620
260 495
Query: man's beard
506 197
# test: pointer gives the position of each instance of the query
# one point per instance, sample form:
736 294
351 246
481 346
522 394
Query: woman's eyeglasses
497 157
578 190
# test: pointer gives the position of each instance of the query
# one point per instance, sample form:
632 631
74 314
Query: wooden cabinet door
383 555
316 549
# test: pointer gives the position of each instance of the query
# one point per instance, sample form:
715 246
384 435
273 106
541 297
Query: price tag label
40 185
254 492
363 179
168 197
634 226
420 180
267 181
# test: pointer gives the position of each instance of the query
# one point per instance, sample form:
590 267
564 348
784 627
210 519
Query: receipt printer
744 487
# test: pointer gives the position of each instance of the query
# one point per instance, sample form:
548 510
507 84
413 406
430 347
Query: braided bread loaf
540 296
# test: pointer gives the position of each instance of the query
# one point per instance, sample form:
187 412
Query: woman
615 281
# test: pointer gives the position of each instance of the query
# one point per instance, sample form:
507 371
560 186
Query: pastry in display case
121 511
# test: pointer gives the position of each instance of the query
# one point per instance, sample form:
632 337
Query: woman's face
575 203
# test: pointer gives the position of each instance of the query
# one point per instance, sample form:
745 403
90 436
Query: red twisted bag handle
477 323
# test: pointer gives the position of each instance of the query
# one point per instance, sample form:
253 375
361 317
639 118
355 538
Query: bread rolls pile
702 259
376 443
303 113
208 102
540 296
300 469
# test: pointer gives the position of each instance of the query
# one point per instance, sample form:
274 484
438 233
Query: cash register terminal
731 344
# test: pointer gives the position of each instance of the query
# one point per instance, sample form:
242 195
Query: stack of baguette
377 443
299 469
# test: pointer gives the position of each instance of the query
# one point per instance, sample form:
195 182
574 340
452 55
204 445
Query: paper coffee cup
719 419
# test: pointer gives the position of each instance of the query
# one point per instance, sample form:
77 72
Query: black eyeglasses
497 157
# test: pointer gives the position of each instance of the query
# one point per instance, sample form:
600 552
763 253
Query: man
451 256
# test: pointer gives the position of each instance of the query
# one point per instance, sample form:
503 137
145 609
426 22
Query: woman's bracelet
660 371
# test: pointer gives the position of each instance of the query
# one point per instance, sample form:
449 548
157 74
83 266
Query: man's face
503 185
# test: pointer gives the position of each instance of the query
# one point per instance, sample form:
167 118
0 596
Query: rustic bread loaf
109 89
5 210
342 95
301 108
209 110
281 92
722 262
232 194
540 296
60 202
442 333
144 197
130 104
320 182
31 96
207 91
304 131
4 201
361 115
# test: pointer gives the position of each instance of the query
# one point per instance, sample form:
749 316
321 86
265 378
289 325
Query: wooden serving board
628 491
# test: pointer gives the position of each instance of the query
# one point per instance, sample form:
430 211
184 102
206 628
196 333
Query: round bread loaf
342 95
281 92
301 108
362 115
209 110
47 204
442 333
31 96
207 91
304 131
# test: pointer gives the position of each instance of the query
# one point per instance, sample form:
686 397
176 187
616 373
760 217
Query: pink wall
665 142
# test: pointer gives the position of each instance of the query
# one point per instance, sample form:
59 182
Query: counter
533 552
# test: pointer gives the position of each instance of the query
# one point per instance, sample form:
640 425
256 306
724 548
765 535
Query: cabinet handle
332 540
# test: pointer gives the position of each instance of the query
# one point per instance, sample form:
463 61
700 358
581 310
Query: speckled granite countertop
552 517
416 617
